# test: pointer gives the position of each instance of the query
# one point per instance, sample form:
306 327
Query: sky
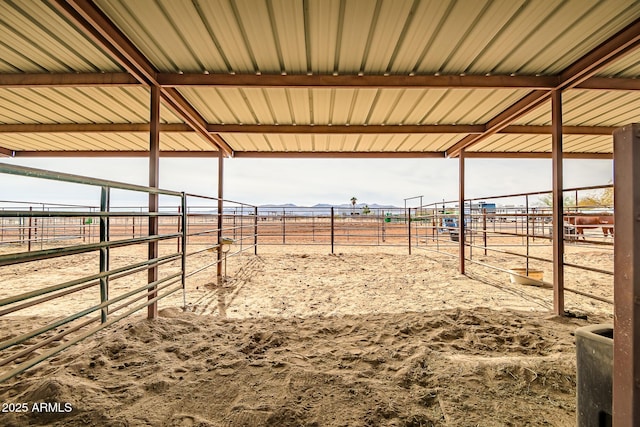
305 182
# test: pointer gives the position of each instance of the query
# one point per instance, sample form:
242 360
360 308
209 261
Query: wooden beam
339 154
117 154
66 79
345 129
91 128
100 29
356 81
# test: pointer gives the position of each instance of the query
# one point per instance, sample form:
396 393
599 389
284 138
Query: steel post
626 343
104 252
154 177
558 203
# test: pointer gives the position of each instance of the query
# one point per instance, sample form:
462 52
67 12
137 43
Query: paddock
423 325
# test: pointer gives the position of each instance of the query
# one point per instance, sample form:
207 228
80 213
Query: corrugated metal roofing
349 106
542 144
590 108
34 38
351 36
311 37
78 105
94 141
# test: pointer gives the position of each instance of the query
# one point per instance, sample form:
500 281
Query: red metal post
626 343
154 177
558 203
220 213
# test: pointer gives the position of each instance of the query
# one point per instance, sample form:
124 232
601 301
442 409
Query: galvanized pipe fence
60 235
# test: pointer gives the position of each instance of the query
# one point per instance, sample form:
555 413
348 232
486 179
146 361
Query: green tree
366 210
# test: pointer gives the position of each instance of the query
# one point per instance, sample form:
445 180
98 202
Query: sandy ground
297 336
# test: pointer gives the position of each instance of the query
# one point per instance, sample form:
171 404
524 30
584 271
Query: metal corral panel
373 37
78 105
36 39
340 142
131 141
349 106
582 107
542 143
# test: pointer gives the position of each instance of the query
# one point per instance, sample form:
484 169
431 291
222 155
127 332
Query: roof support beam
67 79
5 152
533 155
339 154
502 120
91 128
355 81
614 48
16 80
296 129
345 129
99 28
118 154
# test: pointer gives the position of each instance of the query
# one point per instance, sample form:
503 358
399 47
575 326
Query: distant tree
353 203
547 200
366 210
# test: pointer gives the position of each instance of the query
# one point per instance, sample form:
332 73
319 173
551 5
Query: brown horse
582 222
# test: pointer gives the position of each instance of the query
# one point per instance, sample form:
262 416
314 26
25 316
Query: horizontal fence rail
195 236
518 228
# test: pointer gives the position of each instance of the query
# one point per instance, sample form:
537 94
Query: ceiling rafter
533 155
91 127
5 152
297 129
98 27
113 153
67 79
340 154
611 50
17 80
357 81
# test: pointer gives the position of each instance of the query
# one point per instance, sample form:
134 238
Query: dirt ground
297 336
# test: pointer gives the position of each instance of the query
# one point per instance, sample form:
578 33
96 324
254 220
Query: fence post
29 231
183 219
332 230
284 227
104 251
484 229
255 230
409 227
